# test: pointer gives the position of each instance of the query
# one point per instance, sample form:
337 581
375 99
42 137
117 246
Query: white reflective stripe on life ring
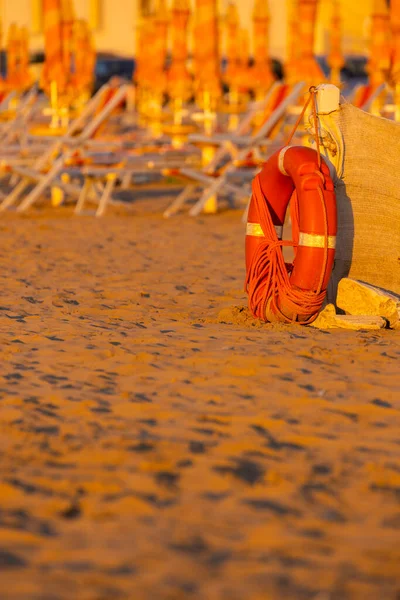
255 230
314 240
281 158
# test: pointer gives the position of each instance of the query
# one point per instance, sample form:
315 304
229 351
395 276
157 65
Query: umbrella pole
208 150
54 108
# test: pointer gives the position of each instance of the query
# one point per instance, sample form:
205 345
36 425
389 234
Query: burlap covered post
368 198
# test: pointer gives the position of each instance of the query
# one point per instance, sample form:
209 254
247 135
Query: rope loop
313 99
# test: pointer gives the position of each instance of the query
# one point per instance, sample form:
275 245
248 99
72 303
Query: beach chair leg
179 201
95 192
212 190
98 188
43 183
237 193
126 181
83 195
108 190
104 113
231 200
15 194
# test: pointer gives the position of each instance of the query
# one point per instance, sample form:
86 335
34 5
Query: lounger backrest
287 97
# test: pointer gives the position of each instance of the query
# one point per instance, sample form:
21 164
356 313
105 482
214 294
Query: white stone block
328 319
359 298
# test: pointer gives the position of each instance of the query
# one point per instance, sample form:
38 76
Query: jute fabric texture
368 198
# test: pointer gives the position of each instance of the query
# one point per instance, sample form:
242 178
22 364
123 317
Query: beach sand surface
157 443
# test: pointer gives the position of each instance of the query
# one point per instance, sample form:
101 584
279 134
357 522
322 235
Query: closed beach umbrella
25 75
148 68
232 28
379 59
53 69
395 72
395 26
261 72
85 57
153 60
292 64
79 55
150 56
244 81
206 48
1 37
158 47
179 83
13 56
335 57
90 65
67 26
310 71
140 52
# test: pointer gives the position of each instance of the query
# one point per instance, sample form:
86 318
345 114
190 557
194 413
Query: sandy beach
157 443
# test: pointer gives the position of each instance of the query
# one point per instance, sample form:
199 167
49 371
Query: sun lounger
238 147
15 129
96 179
364 95
5 101
63 147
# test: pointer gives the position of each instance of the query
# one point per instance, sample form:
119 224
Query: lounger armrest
217 139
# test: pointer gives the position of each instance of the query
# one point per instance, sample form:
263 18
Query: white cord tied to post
330 137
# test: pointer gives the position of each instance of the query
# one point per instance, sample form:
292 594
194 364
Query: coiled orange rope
268 278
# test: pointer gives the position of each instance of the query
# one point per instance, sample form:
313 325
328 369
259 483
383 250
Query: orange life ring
290 292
